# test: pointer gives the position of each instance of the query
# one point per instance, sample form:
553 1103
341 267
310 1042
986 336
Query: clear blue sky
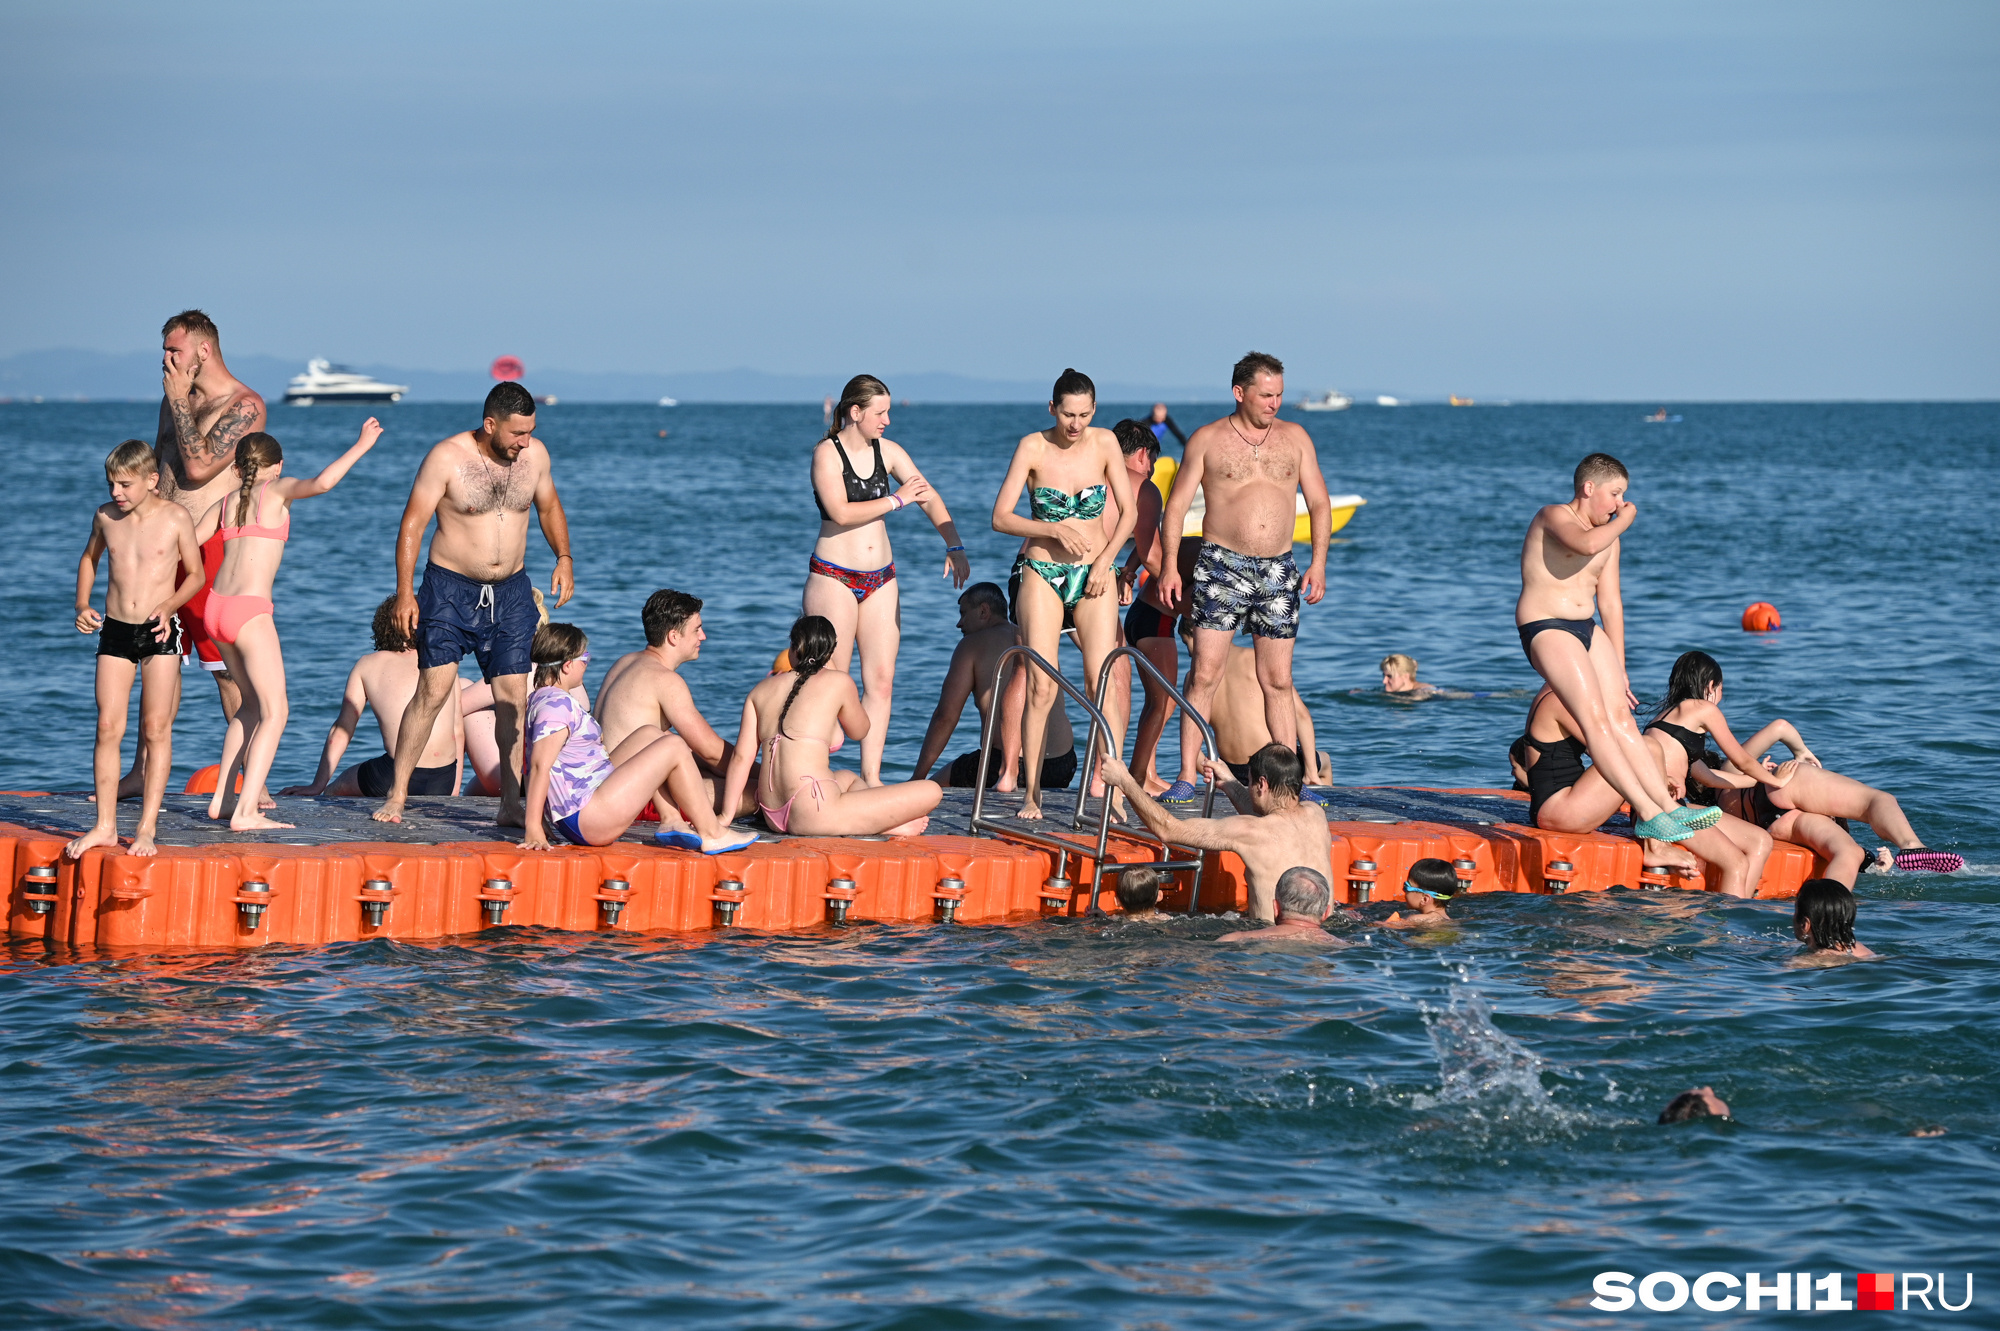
1593 199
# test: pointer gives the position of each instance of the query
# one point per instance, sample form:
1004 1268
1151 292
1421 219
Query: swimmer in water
1804 805
1823 918
1072 471
1569 567
851 577
1430 884
1399 675
1305 898
1139 894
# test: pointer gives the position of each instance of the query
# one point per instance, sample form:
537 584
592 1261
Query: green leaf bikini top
1048 505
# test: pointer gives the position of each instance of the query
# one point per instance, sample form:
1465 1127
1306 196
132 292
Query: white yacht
1386 401
1327 402
326 382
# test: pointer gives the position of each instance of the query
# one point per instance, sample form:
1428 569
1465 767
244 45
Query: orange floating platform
335 883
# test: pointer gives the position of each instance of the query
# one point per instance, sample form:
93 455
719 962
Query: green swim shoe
1661 827
1695 817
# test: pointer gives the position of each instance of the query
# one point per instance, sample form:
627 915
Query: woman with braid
576 791
254 524
789 720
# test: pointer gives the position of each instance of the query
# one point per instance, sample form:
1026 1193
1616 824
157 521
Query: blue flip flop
744 844
1662 827
1695 818
678 840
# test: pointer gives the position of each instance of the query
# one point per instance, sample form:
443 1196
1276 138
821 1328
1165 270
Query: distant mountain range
135 376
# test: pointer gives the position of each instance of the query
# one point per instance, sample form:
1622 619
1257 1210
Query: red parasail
508 368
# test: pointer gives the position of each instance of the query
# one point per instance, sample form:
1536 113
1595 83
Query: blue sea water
1063 1123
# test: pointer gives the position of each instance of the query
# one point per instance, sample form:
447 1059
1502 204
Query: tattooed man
476 596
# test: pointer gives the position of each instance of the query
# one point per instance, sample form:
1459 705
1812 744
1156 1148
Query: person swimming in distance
1699 1103
1305 898
1160 421
1138 893
1823 918
1399 675
1803 807
986 635
1430 884
787 720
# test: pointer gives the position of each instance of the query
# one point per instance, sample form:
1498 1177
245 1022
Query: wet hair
1706 796
1395 663
195 324
508 399
1133 436
860 391
1435 875
813 641
1687 1106
1139 889
1253 364
134 457
1599 467
1692 677
665 611
1303 891
388 634
254 452
989 595
1072 383
1827 909
556 645
1280 767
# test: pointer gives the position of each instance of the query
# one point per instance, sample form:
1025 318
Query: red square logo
1876 1292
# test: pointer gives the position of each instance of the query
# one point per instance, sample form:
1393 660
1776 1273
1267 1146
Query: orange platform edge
250 895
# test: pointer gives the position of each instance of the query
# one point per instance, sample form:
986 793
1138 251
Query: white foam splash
1477 1061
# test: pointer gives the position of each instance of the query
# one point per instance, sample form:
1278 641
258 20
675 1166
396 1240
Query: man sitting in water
384 681
643 695
1429 884
1274 832
1139 894
1304 898
982 619
1237 717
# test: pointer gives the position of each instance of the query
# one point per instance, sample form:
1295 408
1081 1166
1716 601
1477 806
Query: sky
1594 200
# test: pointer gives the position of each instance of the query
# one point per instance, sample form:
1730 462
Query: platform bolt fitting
840 896
1056 891
950 896
613 909
1464 867
1361 880
729 900
41 885
253 911
1655 878
372 911
1556 877
495 907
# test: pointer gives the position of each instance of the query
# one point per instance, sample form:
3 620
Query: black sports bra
875 487
1696 745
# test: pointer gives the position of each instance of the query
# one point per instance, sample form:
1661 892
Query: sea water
1063 1123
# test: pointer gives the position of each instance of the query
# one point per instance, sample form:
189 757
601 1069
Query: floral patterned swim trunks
1233 591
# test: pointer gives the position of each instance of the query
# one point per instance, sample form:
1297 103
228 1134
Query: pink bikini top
250 529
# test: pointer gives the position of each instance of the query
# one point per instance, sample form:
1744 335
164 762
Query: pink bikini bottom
780 819
225 616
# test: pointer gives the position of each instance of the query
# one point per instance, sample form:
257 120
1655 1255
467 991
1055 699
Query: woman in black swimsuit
1797 801
851 577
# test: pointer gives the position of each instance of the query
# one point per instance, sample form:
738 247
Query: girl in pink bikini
789 719
254 524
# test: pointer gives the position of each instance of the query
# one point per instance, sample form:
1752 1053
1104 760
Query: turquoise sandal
1661 827
1694 818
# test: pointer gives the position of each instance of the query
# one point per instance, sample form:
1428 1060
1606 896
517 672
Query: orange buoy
783 663
1761 617
203 782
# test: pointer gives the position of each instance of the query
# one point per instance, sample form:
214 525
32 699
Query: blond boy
155 568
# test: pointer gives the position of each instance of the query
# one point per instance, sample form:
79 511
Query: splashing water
1485 1075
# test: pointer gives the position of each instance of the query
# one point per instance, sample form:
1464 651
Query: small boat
669 402
1329 401
325 382
1458 401
1343 506
1386 401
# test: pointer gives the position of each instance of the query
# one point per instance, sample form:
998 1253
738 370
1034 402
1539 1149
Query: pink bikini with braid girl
254 524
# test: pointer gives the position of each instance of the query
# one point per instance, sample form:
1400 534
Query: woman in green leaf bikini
1063 578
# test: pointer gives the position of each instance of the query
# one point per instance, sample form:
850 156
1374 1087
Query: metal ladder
1064 846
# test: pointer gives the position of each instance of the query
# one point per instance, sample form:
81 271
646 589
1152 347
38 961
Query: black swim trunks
1256 592
495 621
135 642
1582 628
1145 621
1058 770
377 775
1241 771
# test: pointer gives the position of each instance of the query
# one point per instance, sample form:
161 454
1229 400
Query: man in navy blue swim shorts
476 596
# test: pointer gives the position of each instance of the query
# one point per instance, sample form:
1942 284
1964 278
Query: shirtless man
204 411
383 682
476 596
1236 714
1304 898
982 619
1569 567
1248 466
643 696
1273 832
